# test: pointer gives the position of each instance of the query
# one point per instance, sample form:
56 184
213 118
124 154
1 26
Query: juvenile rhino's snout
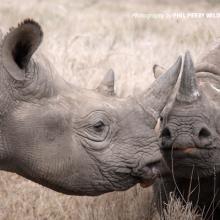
185 138
186 129
176 141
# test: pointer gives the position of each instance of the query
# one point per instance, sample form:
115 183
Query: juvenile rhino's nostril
166 133
204 133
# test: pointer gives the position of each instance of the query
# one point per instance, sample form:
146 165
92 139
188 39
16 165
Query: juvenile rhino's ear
18 47
106 87
158 70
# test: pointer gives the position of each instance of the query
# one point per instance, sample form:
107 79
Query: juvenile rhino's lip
187 149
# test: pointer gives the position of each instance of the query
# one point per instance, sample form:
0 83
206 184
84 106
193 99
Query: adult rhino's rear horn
188 90
106 87
155 98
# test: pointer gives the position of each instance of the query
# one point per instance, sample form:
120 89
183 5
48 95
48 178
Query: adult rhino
190 136
73 140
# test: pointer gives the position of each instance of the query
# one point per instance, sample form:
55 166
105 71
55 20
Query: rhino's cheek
70 170
58 161
48 158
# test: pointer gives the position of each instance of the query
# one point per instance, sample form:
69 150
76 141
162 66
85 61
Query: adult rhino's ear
18 47
158 70
106 87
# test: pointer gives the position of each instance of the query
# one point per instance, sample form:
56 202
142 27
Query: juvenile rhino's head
73 140
190 141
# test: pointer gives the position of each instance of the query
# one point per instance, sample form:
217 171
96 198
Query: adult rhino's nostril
204 133
166 133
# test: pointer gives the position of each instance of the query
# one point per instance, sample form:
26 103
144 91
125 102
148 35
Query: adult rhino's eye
99 127
95 127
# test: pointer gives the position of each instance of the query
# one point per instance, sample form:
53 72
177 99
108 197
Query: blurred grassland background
83 39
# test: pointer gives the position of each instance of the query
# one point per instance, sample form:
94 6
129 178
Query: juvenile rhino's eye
99 127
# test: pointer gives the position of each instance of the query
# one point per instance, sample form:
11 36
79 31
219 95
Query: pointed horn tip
111 72
188 65
178 63
174 69
187 53
188 57
179 60
177 66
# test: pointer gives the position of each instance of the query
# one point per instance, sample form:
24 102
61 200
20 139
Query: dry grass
84 39
176 210
22 199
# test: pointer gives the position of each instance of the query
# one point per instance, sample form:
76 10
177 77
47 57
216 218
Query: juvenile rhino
190 136
73 140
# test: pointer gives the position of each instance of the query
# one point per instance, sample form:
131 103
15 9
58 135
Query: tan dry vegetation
84 39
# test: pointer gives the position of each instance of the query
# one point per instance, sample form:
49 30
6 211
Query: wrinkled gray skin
190 136
73 140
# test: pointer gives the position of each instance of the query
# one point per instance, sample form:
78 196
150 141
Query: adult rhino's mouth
149 174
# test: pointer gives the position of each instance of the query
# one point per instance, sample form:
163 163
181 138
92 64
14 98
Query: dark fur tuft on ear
18 47
31 22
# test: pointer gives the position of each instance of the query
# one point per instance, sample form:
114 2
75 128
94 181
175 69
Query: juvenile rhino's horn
106 87
188 90
155 98
18 46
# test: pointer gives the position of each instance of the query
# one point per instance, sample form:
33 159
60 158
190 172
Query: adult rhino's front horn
188 90
156 96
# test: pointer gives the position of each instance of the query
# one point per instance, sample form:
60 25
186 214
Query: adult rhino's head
190 140
73 140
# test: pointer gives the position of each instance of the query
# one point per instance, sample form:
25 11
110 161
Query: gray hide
190 135
73 140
